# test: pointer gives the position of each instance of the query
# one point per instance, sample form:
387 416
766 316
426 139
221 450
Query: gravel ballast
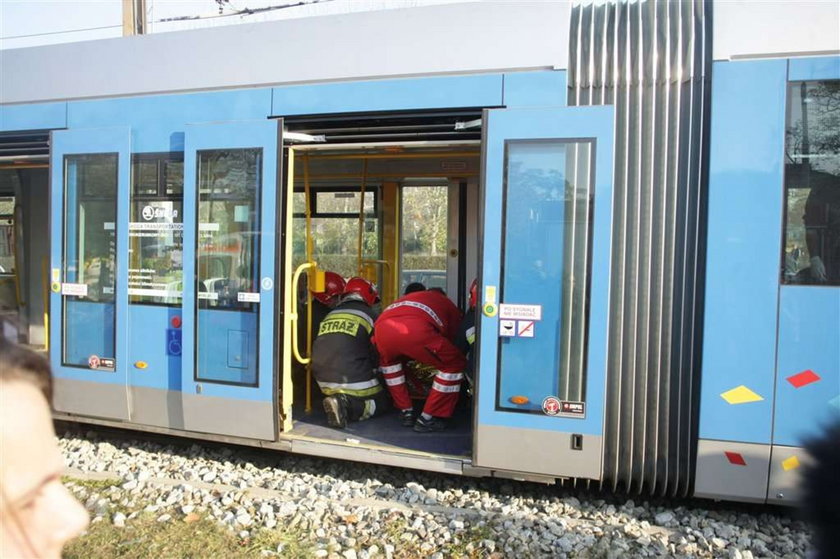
347 510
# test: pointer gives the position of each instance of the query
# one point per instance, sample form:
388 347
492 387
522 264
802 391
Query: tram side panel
762 334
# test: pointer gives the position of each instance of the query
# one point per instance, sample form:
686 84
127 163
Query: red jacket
444 315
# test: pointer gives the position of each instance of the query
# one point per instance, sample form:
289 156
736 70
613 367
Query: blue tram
648 193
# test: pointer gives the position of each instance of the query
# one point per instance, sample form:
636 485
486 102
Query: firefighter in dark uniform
465 339
344 361
322 303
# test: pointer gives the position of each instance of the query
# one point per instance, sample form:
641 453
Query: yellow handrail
293 315
361 216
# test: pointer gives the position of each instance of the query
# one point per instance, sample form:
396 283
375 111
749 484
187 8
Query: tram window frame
11 221
313 201
809 176
82 195
161 160
210 197
315 214
501 404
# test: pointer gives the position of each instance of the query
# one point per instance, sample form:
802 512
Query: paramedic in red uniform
421 326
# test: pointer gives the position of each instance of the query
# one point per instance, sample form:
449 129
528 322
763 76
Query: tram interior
24 252
394 214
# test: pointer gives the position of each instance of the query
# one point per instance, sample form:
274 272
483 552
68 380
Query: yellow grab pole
361 217
46 288
309 249
293 316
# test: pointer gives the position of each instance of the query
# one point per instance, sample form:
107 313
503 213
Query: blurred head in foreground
37 513
821 484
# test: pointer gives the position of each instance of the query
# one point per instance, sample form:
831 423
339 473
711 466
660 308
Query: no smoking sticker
525 328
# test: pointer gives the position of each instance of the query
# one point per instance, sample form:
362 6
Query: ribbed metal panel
652 60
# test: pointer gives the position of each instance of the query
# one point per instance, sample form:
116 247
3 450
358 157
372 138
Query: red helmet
363 288
473 293
333 288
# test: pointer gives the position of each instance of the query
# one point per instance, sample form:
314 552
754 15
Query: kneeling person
344 361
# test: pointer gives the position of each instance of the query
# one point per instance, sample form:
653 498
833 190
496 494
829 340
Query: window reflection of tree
812 178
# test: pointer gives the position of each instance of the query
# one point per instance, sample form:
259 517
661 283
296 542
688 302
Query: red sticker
801 379
735 458
93 362
551 405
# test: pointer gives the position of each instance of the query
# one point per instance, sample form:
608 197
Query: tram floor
387 431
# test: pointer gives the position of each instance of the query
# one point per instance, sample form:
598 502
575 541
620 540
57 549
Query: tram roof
448 39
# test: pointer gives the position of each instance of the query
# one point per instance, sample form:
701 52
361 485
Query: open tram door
229 382
89 176
544 287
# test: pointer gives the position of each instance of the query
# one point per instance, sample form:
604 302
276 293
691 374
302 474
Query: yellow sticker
740 395
490 294
490 309
56 274
790 463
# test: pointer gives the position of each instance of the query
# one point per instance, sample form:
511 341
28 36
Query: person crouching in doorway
344 361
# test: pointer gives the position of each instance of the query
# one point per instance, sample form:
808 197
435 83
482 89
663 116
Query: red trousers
404 338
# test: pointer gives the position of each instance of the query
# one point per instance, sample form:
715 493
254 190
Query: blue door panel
229 346
808 381
153 341
239 344
536 359
743 248
87 328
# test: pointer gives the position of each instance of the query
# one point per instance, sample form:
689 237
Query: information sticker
507 328
74 289
245 297
520 312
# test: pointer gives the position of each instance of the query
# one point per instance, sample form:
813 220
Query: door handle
293 315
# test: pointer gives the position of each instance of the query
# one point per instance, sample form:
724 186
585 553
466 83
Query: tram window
89 258
229 183
335 228
812 184
424 236
7 238
156 229
548 193
89 244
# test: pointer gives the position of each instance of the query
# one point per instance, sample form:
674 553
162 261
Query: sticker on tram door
551 405
102 363
572 409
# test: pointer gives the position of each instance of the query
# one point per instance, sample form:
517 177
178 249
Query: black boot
336 407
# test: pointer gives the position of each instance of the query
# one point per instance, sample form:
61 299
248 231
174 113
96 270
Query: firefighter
325 300
421 326
344 361
322 303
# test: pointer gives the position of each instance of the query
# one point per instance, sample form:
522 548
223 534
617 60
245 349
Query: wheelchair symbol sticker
173 342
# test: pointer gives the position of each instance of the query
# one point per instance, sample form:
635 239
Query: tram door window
89 259
547 197
229 190
156 229
424 236
8 268
335 228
